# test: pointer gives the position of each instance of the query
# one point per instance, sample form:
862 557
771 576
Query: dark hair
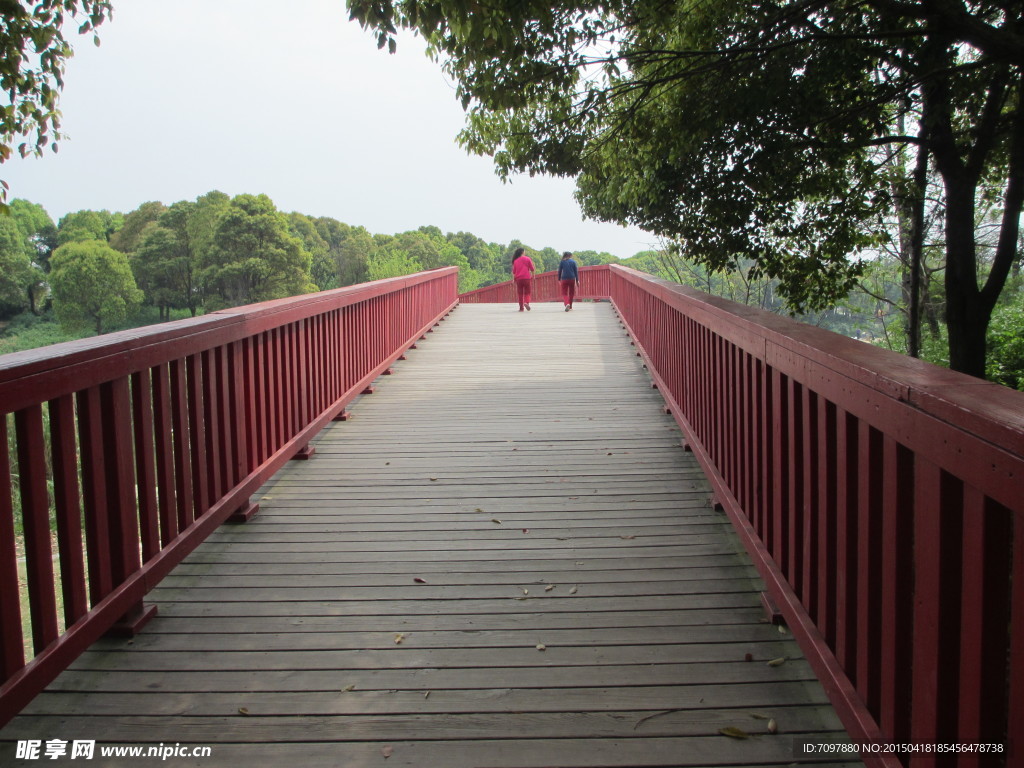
567 255
517 253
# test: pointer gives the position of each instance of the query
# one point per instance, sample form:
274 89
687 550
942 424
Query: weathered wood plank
517 512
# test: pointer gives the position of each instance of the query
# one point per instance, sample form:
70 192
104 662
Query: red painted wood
145 466
122 511
183 393
36 523
94 493
12 651
164 446
67 510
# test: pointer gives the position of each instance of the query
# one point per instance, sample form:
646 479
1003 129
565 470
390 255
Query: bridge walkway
505 558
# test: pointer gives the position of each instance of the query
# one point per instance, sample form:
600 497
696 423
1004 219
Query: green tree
92 285
127 238
40 237
749 130
86 225
16 273
350 248
254 257
323 269
33 56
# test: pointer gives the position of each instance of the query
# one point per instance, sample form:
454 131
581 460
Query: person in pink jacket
522 274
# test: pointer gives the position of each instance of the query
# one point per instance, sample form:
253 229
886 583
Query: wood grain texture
504 558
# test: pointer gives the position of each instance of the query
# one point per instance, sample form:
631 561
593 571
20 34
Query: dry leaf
759 716
748 657
572 591
782 630
496 521
433 479
399 637
348 688
627 537
734 733
418 580
426 695
386 751
526 530
243 711
541 647
773 727
526 591
549 587
777 662
478 509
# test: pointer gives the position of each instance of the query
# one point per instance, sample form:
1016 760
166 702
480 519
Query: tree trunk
967 312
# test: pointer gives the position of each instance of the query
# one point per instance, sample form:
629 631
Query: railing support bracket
244 513
343 416
305 453
771 610
132 622
369 390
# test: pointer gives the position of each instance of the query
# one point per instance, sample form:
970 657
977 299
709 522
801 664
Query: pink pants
523 287
568 289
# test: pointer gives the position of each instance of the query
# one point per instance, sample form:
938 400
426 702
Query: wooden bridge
506 547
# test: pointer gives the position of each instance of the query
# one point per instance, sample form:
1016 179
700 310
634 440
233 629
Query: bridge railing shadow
120 454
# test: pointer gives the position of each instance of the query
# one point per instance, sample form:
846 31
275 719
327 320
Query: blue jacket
568 270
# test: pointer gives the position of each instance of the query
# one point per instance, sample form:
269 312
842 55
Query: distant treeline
97 268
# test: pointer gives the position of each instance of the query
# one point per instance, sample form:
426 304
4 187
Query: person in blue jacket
568 279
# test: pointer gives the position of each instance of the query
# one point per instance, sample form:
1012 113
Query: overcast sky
293 100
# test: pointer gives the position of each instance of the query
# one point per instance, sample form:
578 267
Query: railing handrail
880 497
171 428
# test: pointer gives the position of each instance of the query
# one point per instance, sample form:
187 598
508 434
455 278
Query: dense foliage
761 133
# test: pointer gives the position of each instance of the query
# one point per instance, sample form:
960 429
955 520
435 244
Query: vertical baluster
12 650
227 440
895 625
35 506
120 479
869 585
197 435
212 426
94 493
828 494
848 479
810 499
936 560
985 621
163 439
797 461
239 406
145 470
184 491
68 510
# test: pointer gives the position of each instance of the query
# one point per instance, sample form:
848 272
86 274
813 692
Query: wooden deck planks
504 559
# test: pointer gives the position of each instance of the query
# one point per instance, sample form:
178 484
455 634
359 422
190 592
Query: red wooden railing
881 498
593 285
171 428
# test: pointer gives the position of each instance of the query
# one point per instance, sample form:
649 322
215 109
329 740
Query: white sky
293 100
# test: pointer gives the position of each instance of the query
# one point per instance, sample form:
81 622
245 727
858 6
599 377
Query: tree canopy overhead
33 54
751 130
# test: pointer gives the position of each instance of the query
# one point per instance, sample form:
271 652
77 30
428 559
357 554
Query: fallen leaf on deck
426 695
386 751
496 520
773 727
759 716
478 509
526 530
418 580
572 591
399 637
433 479
549 587
777 662
243 711
348 688
734 733
526 591
749 657
627 537
541 647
